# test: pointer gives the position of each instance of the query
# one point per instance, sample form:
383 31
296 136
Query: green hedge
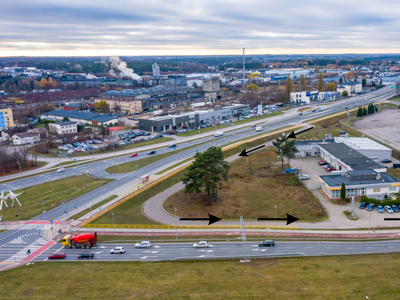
380 202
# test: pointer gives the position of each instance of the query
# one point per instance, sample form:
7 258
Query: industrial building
158 97
312 96
211 88
80 117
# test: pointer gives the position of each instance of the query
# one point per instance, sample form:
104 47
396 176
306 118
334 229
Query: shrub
380 202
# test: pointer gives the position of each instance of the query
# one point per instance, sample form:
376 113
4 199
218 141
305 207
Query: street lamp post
369 224
83 184
90 211
176 227
275 220
113 219
20 171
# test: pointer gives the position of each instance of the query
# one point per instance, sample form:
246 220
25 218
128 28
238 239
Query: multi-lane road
176 251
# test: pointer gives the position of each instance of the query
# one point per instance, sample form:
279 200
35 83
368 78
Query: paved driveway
310 167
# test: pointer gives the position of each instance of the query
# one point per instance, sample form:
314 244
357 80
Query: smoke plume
119 69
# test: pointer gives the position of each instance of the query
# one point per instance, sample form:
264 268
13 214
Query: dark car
370 207
300 114
395 208
363 205
88 255
152 152
342 132
267 243
57 255
385 161
172 146
147 134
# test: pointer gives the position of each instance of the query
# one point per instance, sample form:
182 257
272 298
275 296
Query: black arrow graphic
391 219
292 135
289 219
211 219
244 152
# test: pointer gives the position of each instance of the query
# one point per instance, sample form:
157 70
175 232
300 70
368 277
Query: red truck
87 240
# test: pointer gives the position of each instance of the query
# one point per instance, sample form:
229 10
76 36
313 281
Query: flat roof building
80 117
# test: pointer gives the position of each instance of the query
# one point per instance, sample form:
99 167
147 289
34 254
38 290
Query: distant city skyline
155 27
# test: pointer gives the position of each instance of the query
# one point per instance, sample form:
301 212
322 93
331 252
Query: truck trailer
80 241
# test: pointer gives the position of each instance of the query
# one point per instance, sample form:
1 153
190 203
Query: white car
201 244
144 244
304 177
60 170
119 250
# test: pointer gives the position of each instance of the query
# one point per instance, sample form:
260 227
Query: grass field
345 277
88 210
130 211
174 166
249 195
395 98
52 193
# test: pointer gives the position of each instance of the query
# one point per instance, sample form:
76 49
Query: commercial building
312 96
80 117
195 118
72 106
308 148
352 87
6 118
62 128
125 105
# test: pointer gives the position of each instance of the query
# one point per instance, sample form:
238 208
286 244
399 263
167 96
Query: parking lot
310 167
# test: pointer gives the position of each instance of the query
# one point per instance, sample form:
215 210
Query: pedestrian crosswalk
36 225
18 240
34 249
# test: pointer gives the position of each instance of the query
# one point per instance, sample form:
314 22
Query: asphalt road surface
160 252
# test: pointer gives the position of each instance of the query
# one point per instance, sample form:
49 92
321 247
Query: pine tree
343 191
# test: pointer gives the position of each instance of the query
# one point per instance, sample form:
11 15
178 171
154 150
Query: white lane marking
143 257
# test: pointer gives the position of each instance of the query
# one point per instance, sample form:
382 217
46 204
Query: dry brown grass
252 195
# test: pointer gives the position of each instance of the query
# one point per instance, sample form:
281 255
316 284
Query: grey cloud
155 24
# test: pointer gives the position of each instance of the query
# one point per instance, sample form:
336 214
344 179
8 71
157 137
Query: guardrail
136 226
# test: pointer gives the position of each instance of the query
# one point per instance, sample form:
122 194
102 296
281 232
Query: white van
219 133
259 128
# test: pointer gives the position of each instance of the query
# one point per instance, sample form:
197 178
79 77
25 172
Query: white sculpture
3 200
14 197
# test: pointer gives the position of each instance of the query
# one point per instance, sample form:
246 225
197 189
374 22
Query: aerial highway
31 233
175 251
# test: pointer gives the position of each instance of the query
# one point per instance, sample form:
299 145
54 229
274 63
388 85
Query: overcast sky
197 27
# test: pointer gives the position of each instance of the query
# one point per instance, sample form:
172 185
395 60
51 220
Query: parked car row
326 166
389 208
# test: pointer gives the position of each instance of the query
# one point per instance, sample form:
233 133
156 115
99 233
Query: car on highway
370 206
300 114
133 154
363 205
201 244
144 244
267 243
386 161
395 208
57 255
88 255
380 209
152 152
119 250
253 126
304 177
60 170
172 146
388 209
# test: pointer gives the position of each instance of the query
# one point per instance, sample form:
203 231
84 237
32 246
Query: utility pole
20 171
275 220
83 184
